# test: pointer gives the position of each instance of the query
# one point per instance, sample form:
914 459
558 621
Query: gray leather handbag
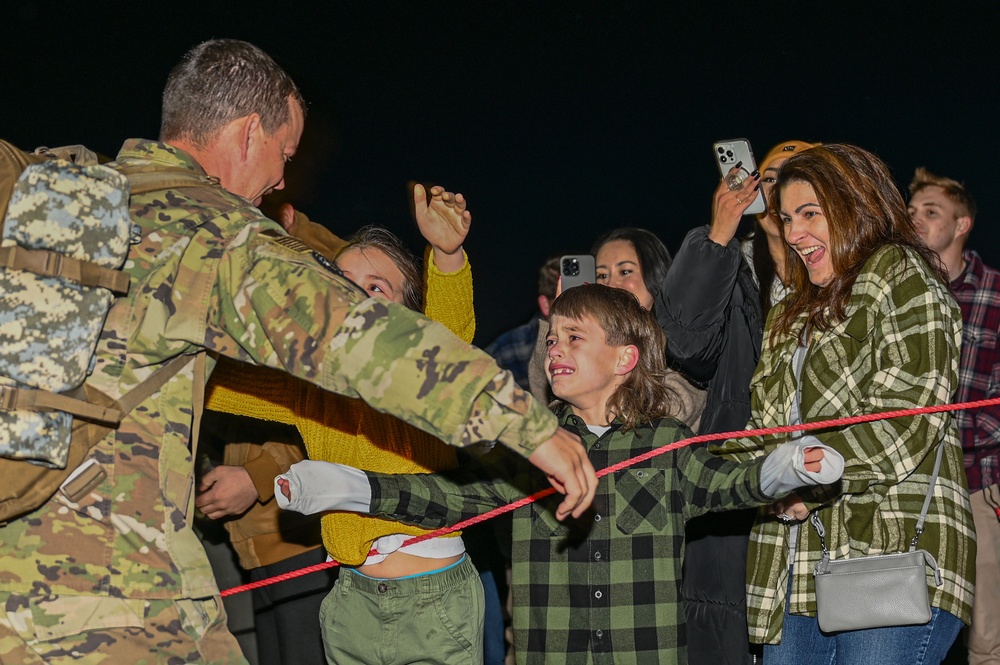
876 591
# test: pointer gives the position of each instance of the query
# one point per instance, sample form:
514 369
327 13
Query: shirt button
597 555
640 474
597 446
599 633
597 518
382 587
598 594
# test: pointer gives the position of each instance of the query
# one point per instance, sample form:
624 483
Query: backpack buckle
8 398
53 264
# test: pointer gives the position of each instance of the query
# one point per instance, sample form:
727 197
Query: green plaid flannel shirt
897 348
605 588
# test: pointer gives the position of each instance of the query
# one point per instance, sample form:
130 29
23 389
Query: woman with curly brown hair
869 327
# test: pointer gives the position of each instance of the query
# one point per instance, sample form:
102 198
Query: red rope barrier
701 438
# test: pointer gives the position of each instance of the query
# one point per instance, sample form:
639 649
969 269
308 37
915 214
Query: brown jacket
264 534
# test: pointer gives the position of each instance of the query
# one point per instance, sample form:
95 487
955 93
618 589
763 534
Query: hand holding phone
737 151
577 270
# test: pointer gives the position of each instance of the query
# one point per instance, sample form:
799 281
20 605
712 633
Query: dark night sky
558 120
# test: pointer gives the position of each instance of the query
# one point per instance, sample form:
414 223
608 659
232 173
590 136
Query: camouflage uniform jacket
897 348
208 271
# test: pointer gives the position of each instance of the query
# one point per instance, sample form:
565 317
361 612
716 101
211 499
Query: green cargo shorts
432 618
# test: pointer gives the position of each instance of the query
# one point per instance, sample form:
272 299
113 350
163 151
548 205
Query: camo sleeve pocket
53 618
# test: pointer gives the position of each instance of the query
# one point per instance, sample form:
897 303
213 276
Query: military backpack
66 231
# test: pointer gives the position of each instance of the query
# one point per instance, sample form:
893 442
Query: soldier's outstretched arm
279 306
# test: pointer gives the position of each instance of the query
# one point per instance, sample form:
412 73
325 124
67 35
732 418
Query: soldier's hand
564 460
444 222
226 490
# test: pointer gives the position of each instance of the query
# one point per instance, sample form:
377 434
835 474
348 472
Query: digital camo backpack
65 236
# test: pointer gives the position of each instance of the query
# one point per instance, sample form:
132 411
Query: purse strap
927 499
821 531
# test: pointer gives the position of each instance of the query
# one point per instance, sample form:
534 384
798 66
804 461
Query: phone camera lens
729 153
571 267
723 159
721 150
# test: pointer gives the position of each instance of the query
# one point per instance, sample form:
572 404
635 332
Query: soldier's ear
286 217
251 135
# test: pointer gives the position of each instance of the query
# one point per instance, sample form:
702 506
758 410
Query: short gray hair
219 81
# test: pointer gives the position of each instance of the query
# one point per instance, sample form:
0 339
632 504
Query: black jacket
709 308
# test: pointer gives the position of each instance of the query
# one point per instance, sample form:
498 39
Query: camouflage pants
98 630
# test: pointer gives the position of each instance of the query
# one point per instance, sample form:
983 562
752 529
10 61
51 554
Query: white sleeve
317 486
784 470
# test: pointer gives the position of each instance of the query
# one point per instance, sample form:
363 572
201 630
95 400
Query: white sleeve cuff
784 470
320 486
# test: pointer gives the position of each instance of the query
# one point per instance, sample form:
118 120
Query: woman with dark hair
632 259
713 310
868 327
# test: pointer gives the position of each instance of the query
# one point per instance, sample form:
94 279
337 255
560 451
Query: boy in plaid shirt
604 588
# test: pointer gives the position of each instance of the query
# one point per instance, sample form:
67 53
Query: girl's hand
444 222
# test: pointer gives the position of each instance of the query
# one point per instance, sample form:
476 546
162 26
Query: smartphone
730 153
576 270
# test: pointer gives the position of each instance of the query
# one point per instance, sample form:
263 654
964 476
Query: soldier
118 576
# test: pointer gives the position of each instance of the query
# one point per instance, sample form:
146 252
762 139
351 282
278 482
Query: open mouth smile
812 255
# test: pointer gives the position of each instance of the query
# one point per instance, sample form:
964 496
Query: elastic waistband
407 577
452 576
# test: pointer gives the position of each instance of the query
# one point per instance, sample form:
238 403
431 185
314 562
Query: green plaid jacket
897 348
605 588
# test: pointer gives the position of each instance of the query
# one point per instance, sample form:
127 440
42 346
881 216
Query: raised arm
444 223
698 289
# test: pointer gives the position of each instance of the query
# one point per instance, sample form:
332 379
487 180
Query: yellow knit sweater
348 431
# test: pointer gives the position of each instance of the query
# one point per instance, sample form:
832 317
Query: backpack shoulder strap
81 402
84 478
143 180
55 264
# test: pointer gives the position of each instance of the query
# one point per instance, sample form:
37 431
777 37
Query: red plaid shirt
977 291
